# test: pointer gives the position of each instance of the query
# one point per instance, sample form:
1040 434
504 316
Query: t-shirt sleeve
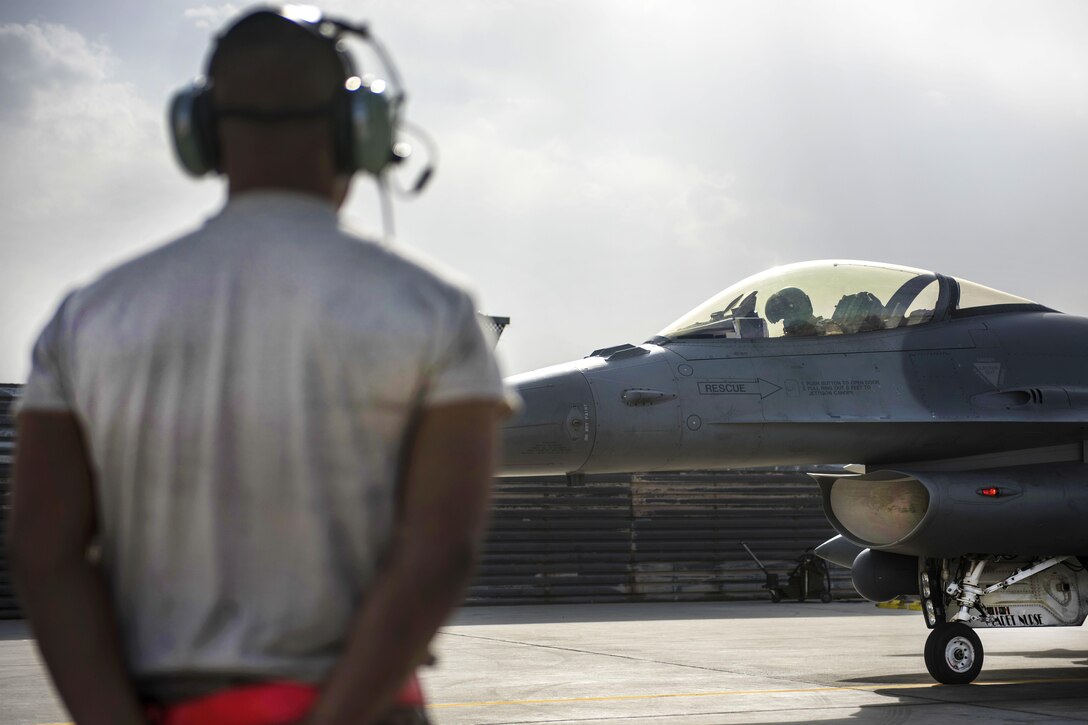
465 368
49 385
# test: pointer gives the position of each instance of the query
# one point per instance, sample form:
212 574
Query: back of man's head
270 63
274 85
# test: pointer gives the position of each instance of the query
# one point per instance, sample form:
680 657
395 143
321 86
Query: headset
365 111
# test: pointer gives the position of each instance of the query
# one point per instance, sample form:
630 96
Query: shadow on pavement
659 611
12 629
991 678
1058 654
1065 701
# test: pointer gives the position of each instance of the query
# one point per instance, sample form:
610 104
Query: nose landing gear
955 601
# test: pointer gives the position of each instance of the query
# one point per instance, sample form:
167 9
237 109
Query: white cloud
63 51
211 17
70 117
39 58
87 173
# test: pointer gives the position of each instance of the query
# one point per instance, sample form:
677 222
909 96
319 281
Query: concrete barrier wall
9 608
667 537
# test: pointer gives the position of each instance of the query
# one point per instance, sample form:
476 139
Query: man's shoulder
135 271
422 269
408 268
332 259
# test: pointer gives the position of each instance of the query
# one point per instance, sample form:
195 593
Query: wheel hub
959 654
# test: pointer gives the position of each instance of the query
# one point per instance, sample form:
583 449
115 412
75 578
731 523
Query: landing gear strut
953 654
952 602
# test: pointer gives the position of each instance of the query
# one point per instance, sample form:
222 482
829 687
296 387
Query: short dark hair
265 61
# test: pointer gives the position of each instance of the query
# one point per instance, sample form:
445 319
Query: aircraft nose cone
554 431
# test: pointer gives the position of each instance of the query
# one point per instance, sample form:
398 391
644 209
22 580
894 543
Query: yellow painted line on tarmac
735 693
898 603
730 693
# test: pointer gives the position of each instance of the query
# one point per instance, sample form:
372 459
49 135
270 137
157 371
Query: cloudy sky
604 166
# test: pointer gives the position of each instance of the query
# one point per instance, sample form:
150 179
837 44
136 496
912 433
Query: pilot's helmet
788 304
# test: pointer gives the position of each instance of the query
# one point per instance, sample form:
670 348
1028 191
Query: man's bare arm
53 521
444 510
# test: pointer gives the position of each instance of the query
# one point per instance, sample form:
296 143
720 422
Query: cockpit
824 298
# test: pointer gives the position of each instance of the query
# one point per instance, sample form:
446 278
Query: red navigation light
992 491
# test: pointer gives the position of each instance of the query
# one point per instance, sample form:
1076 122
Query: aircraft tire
775 596
825 597
953 654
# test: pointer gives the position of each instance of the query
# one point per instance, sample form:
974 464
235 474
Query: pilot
793 308
859 312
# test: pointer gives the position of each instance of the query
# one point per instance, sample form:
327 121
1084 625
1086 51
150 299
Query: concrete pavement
695 664
738 663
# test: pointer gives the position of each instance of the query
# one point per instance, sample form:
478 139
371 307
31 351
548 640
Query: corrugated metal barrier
9 608
665 537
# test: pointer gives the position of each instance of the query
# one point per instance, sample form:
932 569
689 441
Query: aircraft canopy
826 298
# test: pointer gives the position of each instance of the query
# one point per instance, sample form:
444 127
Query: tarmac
694 664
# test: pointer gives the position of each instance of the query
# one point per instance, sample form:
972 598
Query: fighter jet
962 409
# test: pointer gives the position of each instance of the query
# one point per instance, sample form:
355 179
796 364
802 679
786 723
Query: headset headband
365 112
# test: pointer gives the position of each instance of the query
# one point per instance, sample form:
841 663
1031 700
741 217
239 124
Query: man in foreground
253 464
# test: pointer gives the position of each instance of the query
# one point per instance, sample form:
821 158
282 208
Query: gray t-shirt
246 391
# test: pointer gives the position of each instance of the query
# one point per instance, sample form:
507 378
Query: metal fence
667 537
9 608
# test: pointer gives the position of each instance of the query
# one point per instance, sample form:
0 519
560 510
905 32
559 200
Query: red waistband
270 703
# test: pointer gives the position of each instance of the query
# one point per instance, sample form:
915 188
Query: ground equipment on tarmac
809 579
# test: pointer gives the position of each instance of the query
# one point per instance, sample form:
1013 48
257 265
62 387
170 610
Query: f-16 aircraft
963 409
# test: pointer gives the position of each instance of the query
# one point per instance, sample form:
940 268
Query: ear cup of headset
370 128
193 131
365 128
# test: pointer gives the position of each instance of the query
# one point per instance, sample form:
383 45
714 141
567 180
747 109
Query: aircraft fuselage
957 388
